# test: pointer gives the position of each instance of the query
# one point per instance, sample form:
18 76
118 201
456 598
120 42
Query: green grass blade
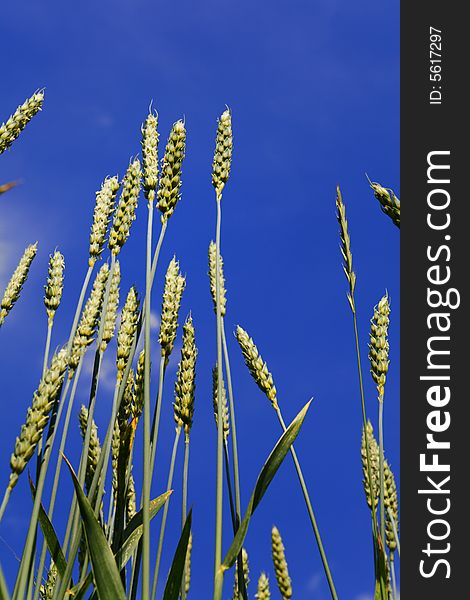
264 479
173 583
105 570
133 531
3 587
52 541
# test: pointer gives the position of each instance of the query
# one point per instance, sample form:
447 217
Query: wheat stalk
220 173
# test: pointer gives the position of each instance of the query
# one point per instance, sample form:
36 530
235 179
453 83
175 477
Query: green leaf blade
265 477
105 570
175 577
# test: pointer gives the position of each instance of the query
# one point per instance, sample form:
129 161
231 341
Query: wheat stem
157 412
311 514
165 513
381 471
184 510
229 488
220 433
236 472
147 477
78 310
394 581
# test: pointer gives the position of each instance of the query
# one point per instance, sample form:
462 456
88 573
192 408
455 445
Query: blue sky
314 92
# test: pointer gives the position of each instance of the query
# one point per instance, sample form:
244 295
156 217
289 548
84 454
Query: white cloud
314 582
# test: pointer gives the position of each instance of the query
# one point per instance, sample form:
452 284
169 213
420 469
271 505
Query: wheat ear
391 505
225 419
389 203
38 416
55 284
172 294
379 361
47 589
280 565
15 285
371 485
125 210
256 365
109 324
213 279
263 592
89 320
223 152
246 574
104 206
127 331
94 448
169 189
186 379
10 130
